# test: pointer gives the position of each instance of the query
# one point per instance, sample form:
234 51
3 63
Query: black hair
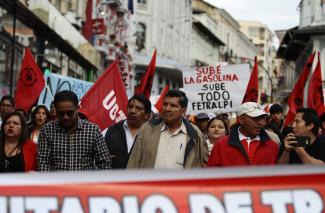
183 101
220 119
22 138
66 95
274 128
310 116
276 108
144 100
286 130
321 120
9 98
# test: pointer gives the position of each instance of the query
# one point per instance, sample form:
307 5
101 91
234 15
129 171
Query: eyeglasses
5 105
69 113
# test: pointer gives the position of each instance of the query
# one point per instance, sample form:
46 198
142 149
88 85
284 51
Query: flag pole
13 41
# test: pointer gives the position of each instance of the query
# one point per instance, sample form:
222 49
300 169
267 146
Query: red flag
98 26
146 81
87 28
30 84
251 94
296 98
105 103
315 92
160 101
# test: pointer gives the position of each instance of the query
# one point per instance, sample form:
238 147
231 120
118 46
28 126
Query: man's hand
289 140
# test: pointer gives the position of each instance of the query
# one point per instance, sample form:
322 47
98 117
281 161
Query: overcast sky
276 14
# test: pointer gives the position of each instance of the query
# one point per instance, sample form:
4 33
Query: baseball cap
251 109
202 115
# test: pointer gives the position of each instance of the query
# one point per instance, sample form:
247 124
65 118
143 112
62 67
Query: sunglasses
69 113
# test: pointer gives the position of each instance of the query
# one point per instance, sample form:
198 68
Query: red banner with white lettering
196 191
106 101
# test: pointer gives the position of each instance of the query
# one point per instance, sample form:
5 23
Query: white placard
215 88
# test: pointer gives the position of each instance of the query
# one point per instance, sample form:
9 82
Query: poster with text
215 89
56 83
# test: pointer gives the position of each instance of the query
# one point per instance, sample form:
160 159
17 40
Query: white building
299 42
263 38
165 26
237 47
205 44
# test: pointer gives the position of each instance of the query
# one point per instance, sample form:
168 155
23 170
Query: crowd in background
60 138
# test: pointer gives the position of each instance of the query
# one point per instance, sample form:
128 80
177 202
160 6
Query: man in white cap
248 143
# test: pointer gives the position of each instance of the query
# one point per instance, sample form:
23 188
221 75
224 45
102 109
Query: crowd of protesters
61 138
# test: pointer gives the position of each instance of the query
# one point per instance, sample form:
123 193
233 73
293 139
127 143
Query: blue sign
56 83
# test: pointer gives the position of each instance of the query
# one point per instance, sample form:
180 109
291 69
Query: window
142 1
253 32
262 33
140 35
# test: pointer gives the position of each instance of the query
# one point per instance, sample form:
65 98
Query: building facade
56 43
165 26
263 38
236 47
299 42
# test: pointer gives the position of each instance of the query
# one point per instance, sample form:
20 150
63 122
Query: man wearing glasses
7 105
70 143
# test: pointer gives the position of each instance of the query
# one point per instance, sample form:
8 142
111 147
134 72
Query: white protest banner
56 83
215 88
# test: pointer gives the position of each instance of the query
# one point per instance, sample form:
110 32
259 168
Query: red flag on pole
87 28
296 98
251 94
315 93
30 84
146 81
160 101
106 101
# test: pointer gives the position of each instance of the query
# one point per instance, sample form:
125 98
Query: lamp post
260 65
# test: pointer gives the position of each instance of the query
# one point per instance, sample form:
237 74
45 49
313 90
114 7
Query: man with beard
70 143
170 141
120 137
248 143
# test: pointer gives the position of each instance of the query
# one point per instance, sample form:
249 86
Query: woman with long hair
216 129
39 116
17 152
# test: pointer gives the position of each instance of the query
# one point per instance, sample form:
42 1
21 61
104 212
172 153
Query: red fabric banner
87 28
160 101
296 98
315 92
251 94
146 81
98 26
30 84
105 103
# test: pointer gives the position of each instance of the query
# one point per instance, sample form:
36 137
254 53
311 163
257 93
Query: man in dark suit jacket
121 136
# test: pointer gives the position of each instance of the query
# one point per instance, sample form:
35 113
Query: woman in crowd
17 152
39 116
52 116
216 129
